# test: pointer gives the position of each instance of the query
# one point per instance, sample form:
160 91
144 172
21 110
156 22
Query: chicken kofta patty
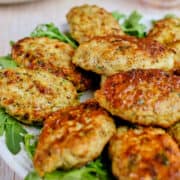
166 30
174 131
30 95
147 97
144 153
88 21
72 137
113 54
50 55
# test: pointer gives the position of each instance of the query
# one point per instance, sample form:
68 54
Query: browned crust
145 153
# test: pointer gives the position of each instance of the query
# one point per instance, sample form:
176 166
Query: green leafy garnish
30 142
33 176
14 135
11 43
14 132
80 94
2 122
131 25
95 170
7 62
51 31
118 16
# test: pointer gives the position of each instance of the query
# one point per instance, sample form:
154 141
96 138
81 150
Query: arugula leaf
30 142
14 132
14 135
33 176
51 31
131 25
12 43
118 15
95 170
2 121
7 62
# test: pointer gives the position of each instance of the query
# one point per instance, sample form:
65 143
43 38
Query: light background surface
18 20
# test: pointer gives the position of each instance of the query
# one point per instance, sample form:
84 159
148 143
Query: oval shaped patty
144 153
42 53
147 97
88 21
72 137
32 95
113 54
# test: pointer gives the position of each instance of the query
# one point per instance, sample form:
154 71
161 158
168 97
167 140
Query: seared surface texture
88 21
147 97
72 137
145 153
113 54
50 55
32 95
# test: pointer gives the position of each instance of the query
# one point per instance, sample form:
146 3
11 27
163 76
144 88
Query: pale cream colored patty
113 54
72 137
88 21
42 53
144 154
31 95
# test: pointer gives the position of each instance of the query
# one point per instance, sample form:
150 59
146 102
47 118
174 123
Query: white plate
20 163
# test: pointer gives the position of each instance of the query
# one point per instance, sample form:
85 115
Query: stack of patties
138 87
45 80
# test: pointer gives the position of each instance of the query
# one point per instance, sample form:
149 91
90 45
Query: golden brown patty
88 21
31 95
110 55
50 55
147 97
166 30
72 137
174 131
145 153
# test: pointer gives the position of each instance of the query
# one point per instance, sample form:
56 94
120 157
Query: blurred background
19 19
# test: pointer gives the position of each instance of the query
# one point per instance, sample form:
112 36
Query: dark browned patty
72 137
146 97
144 153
